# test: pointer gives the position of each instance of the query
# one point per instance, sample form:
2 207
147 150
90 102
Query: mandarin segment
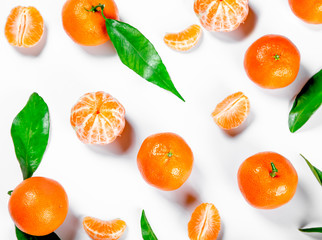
232 111
104 230
38 206
204 223
185 39
221 15
24 27
263 189
97 118
165 161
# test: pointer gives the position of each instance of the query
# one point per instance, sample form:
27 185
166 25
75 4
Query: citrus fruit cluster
267 180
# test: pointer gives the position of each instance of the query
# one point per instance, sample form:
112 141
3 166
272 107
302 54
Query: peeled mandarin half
24 27
232 111
185 39
104 230
204 223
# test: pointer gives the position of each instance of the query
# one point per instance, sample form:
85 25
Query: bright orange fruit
24 27
204 223
104 230
88 28
309 11
272 62
221 15
97 118
267 180
38 206
232 111
184 40
165 161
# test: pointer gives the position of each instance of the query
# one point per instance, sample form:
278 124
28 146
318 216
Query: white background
104 182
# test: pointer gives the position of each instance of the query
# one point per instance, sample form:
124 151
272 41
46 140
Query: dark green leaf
314 230
306 102
139 54
10 192
147 232
24 236
30 133
317 173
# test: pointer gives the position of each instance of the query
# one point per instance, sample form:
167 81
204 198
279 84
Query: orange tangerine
104 230
24 27
97 118
204 223
185 39
221 15
309 11
38 206
165 161
84 27
232 111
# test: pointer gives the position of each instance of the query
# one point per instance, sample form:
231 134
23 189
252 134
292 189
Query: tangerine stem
94 8
277 57
10 192
170 154
274 170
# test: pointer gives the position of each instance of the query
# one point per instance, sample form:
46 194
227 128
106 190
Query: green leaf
10 192
306 103
139 54
24 236
314 230
30 133
317 173
147 232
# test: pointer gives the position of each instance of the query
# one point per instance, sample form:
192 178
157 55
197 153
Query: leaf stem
274 170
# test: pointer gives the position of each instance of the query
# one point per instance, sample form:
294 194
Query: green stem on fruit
277 57
95 9
170 154
274 170
10 192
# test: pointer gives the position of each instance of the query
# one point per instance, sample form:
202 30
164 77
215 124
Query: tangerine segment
104 230
184 40
221 15
204 223
232 111
98 118
24 27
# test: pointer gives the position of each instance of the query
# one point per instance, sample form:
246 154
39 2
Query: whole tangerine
309 11
85 27
272 61
165 161
38 206
267 180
